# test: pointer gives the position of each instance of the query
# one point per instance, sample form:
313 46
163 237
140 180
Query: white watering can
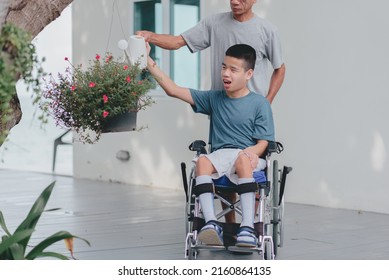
134 50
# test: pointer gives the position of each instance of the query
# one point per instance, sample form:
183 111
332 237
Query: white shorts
224 162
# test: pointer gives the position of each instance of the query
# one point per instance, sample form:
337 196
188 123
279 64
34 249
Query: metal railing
58 141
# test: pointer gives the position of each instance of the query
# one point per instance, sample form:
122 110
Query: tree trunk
32 16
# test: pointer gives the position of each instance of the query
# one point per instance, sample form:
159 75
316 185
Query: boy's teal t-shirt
235 122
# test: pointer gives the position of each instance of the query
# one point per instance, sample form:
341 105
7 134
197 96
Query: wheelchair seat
223 184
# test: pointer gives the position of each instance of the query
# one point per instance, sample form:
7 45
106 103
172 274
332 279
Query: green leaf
53 255
2 223
8 241
61 235
33 216
16 252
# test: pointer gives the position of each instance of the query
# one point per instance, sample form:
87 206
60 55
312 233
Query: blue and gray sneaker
246 237
211 234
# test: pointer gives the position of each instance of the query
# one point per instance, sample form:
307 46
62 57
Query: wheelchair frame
268 217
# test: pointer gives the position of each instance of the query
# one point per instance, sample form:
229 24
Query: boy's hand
252 157
148 48
150 61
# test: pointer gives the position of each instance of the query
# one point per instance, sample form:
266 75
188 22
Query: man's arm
167 84
276 81
165 41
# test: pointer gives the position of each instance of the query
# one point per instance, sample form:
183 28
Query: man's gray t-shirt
236 122
222 31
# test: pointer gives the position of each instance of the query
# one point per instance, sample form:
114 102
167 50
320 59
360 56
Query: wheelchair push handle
198 146
275 147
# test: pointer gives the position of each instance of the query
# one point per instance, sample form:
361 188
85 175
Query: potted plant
92 99
14 246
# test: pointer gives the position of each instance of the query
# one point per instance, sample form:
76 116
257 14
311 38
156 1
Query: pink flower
105 98
92 84
73 88
128 79
105 114
97 57
66 58
125 67
108 59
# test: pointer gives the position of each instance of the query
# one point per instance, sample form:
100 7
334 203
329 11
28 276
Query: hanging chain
114 3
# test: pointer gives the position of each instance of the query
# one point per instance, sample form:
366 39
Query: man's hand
276 81
145 34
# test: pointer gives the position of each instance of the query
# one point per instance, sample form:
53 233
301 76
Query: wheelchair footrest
210 247
243 249
229 230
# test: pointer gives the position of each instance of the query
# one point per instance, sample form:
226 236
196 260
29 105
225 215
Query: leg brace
247 187
204 188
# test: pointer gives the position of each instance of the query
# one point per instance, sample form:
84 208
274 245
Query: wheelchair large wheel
281 224
191 253
269 250
188 222
277 209
189 207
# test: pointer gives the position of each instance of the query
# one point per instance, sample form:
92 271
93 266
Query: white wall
332 109
329 114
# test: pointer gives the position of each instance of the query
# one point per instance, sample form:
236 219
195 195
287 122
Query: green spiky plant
14 246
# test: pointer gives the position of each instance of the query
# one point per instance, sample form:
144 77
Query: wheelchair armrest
198 146
274 147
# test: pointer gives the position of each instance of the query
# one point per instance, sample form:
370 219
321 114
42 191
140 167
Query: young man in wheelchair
242 124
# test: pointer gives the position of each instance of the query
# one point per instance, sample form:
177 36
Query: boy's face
234 75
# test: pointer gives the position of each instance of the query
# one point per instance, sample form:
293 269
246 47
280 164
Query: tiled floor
136 222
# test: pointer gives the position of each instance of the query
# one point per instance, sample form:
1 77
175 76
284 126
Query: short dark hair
245 52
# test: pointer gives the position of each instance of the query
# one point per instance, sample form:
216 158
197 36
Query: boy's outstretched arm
167 84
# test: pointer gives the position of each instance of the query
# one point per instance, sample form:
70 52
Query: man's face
234 75
239 7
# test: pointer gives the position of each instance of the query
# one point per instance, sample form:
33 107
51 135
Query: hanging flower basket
120 123
107 93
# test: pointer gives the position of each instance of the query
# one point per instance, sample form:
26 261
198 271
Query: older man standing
220 31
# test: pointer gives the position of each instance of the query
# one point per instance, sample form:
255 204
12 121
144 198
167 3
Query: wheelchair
268 223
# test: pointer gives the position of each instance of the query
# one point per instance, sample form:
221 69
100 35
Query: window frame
167 57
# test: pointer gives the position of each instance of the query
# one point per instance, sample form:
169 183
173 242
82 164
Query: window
170 17
186 66
148 16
